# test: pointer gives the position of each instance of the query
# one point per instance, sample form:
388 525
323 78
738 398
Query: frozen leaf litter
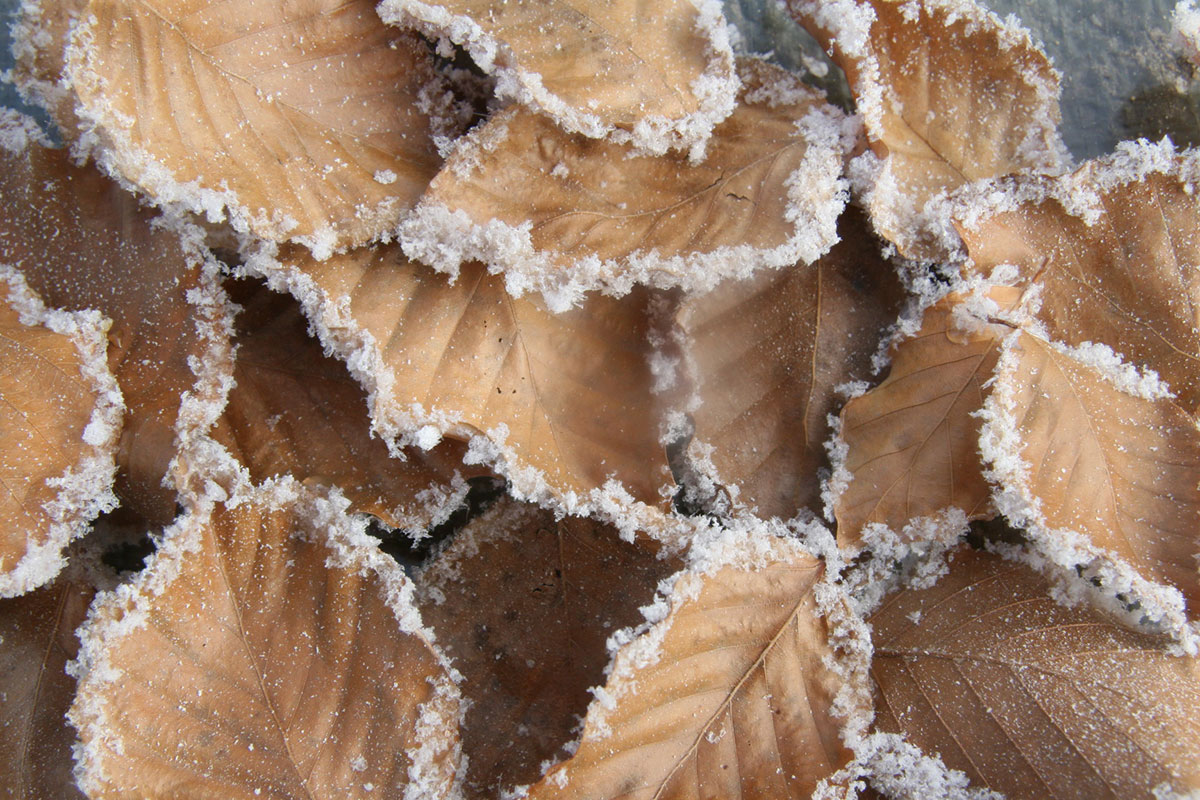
469 400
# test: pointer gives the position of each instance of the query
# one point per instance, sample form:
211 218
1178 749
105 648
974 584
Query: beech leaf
566 395
1030 698
768 354
304 120
949 93
38 635
524 604
59 419
1096 466
295 411
268 649
83 243
562 214
1112 249
728 696
659 74
912 443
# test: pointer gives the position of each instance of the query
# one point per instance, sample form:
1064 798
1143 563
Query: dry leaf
266 650
1097 461
562 214
524 604
59 419
913 441
1117 265
566 394
295 411
38 635
729 696
82 242
768 354
304 120
1030 698
658 74
949 93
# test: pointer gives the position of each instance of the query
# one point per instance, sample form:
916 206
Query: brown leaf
1119 469
913 441
1123 271
949 93
1028 697
295 411
659 73
59 417
727 697
82 242
769 353
38 632
269 649
563 214
524 604
40 33
571 390
303 119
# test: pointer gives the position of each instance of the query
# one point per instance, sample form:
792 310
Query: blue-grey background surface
1122 79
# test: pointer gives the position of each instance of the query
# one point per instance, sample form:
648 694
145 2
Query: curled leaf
949 93
768 354
269 649
562 214
304 120
59 419
1030 698
730 694
658 74
524 603
295 411
38 632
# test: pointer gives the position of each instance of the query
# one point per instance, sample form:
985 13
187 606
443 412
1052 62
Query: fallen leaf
728 696
267 649
913 441
1030 698
1098 460
304 120
58 429
524 604
566 394
82 242
768 355
562 214
38 632
40 32
1119 270
949 93
295 411
660 74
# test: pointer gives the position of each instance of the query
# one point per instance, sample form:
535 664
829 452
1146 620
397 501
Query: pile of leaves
466 399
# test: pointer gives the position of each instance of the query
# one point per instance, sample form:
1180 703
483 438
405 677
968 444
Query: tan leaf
1030 698
524 604
727 697
302 119
295 411
659 74
38 634
563 214
1097 461
566 394
769 353
1119 270
82 242
913 441
269 649
949 93
59 418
